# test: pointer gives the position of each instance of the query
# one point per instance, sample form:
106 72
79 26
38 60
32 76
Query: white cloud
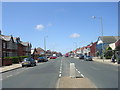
75 35
39 27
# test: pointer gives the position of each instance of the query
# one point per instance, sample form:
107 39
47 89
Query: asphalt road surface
46 75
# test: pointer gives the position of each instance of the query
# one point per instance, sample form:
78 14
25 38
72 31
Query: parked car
72 56
28 62
53 57
81 56
42 59
88 58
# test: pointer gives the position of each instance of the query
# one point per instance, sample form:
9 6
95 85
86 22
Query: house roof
6 38
15 39
109 39
38 51
25 43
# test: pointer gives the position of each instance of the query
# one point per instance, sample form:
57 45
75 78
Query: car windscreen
26 59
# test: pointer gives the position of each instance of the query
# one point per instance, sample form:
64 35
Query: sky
64 25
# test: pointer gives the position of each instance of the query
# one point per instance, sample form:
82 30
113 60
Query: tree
97 53
108 53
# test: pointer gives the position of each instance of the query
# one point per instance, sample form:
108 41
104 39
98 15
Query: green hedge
16 59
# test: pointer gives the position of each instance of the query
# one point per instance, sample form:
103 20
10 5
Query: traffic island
68 82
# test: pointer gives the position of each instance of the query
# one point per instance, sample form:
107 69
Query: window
4 45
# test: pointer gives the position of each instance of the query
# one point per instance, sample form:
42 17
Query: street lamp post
75 44
101 34
45 44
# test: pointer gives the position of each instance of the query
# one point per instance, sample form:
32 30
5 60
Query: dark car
42 59
88 58
28 62
81 56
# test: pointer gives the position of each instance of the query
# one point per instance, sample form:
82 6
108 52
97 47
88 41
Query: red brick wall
93 49
117 43
21 50
7 62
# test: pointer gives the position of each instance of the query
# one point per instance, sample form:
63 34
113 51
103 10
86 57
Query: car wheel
32 65
22 65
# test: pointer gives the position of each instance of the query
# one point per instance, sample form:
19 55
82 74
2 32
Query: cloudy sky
66 25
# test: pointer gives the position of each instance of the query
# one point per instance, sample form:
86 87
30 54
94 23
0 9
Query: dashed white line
78 71
60 75
9 76
60 72
82 75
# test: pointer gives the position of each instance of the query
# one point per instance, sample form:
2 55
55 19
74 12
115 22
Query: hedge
16 59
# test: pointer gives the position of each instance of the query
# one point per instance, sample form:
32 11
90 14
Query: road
46 75
102 75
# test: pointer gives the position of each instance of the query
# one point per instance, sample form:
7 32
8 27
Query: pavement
10 67
106 61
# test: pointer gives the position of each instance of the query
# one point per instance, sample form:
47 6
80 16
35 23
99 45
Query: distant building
36 52
93 49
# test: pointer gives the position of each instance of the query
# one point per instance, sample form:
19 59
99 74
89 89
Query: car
88 58
28 62
72 56
42 59
53 57
81 56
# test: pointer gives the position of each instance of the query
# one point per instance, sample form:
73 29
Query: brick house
117 43
93 49
0 51
12 46
37 52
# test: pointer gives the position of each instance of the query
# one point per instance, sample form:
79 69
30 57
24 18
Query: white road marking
82 75
60 72
78 71
60 75
9 76
58 82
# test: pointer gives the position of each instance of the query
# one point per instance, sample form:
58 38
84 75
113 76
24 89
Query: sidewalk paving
106 61
11 67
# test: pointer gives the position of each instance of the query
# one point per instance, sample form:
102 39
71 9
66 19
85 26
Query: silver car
88 58
28 62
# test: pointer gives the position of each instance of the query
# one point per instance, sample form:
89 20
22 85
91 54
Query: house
0 51
37 52
93 49
86 50
12 46
89 50
105 41
117 43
